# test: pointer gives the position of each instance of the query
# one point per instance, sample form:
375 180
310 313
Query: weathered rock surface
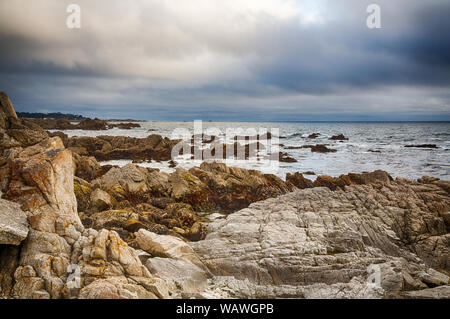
320 243
13 223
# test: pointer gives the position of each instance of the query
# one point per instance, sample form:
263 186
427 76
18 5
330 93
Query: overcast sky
228 59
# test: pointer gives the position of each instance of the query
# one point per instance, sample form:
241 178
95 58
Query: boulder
183 274
87 167
100 200
313 135
339 137
320 148
166 247
13 223
298 180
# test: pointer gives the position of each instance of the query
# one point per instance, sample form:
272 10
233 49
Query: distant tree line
57 115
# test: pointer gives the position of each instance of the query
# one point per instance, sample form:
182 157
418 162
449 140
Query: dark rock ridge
85 124
320 148
55 116
313 135
339 137
422 146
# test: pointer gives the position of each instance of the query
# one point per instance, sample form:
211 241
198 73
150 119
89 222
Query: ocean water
371 146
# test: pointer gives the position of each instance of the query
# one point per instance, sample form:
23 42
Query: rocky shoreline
71 228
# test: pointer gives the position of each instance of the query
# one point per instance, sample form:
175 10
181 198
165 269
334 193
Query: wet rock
339 137
299 181
293 147
313 135
320 148
286 158
124 126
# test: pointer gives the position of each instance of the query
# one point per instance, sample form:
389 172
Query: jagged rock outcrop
58 257
104 148
42 182
320 243
15 132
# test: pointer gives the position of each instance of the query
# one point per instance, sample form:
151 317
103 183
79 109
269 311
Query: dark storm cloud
283 60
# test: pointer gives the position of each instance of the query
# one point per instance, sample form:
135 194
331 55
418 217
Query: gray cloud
229 59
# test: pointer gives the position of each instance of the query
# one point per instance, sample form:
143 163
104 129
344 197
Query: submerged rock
320 148
339 137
